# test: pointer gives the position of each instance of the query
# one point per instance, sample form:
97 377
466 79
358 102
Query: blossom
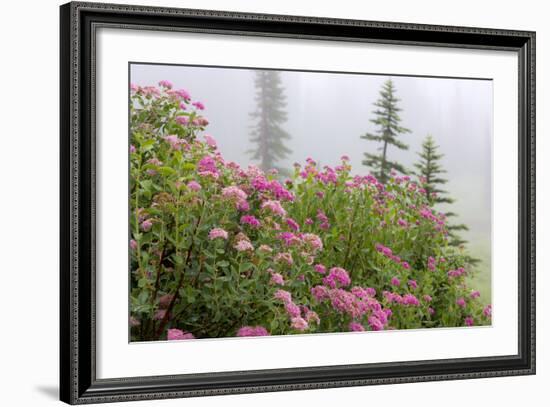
194 186
199 105
265 249
313 241
427 298
356 327
319 268
166 84
409 299
337 276
234 193
299 323
488 310
406 265
132 149
413 284
475 294
174 141
250 220
274 207
284 257
319 292
210 140
469 321
146 225
461 302
292 309
217 233
252 331
431 311
200 121
182 93
177 334
395 281
133 244
292 224
277 278
243 206
183 120
375 323
311 316
243 245
283 295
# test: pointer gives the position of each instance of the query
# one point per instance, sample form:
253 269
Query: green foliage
388 133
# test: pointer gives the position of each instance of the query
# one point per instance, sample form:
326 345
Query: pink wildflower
283 295
274 207
292 224
277 278
133 244
337 277
177 335
210 140
166 84
199 105
413 284
356 327
319 268
146 225
375 323
469 321
313 241
299 324
251 221
252 331
243 245
194 186
292 309
311 316
395 282
217 233
182 93
234 193
183 120
461 302
319 292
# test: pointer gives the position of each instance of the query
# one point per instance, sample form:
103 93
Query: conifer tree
267 135
430 171
388 131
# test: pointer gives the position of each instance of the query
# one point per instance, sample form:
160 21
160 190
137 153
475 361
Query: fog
328 112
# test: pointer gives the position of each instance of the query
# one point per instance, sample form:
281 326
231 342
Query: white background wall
29 163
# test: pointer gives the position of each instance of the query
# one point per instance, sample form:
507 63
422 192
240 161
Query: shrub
218 250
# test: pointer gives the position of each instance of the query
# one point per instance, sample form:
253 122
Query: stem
182 273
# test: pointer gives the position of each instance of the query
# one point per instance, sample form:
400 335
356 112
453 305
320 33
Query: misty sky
328 112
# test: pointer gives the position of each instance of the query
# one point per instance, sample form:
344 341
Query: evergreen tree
388 131
430 171
267 134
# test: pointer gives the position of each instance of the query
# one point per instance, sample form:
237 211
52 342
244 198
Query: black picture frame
78 382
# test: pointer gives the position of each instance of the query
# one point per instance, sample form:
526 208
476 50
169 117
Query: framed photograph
255 203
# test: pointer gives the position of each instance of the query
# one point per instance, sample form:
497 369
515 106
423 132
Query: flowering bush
218 250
